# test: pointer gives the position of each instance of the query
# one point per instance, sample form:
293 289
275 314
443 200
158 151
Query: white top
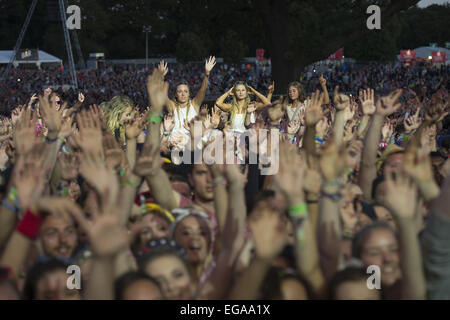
179 121
239 120
294 113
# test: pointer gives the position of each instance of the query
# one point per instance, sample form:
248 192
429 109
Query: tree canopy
294 33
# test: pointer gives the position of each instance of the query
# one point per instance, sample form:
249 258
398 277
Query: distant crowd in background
105 83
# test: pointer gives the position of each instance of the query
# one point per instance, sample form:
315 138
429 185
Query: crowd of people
108 81
356 208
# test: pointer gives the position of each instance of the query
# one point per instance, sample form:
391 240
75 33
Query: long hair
113 110
177 104
301 93
234 103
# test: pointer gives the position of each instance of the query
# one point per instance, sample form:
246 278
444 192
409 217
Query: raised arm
198 99
218 284
226 107
401 200
385 107
264 101
342 103
149 163
323 85
332 166
290 181
269 237
367 99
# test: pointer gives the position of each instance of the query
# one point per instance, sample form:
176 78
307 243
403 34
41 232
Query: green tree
190 47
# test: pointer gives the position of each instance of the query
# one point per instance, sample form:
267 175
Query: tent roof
44 57
425 52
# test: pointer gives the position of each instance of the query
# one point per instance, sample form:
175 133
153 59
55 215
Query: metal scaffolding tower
19 40
62 9
73 74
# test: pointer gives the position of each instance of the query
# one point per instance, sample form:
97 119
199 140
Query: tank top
180 114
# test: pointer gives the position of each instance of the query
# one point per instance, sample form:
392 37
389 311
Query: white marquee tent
43 57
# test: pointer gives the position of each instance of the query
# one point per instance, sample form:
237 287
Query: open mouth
63 251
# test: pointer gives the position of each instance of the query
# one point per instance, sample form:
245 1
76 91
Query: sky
426 3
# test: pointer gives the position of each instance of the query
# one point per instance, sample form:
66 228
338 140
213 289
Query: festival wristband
299 212
12 195
8 206
29 225
333 196
218 181
47 139
155 119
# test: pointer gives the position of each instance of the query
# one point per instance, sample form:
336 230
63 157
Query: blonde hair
112 112
234 103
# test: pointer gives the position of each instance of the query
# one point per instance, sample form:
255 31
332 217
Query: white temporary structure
43 57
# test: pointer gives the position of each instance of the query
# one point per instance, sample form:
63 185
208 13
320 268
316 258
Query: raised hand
162 67
367 99
322 81
51 117
107 237
5 130
322 127
269 233
16 114
417 164
114 155
169 123
413 122
67 128
341 101
157 91
289 178
293 127
388 105
32 100
29 175
89 138
251 107
25 132
349 112
313 112
271 88
148 163
400 196
215 118
433 113
80 97
209 64
387 130
134 127
102 179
